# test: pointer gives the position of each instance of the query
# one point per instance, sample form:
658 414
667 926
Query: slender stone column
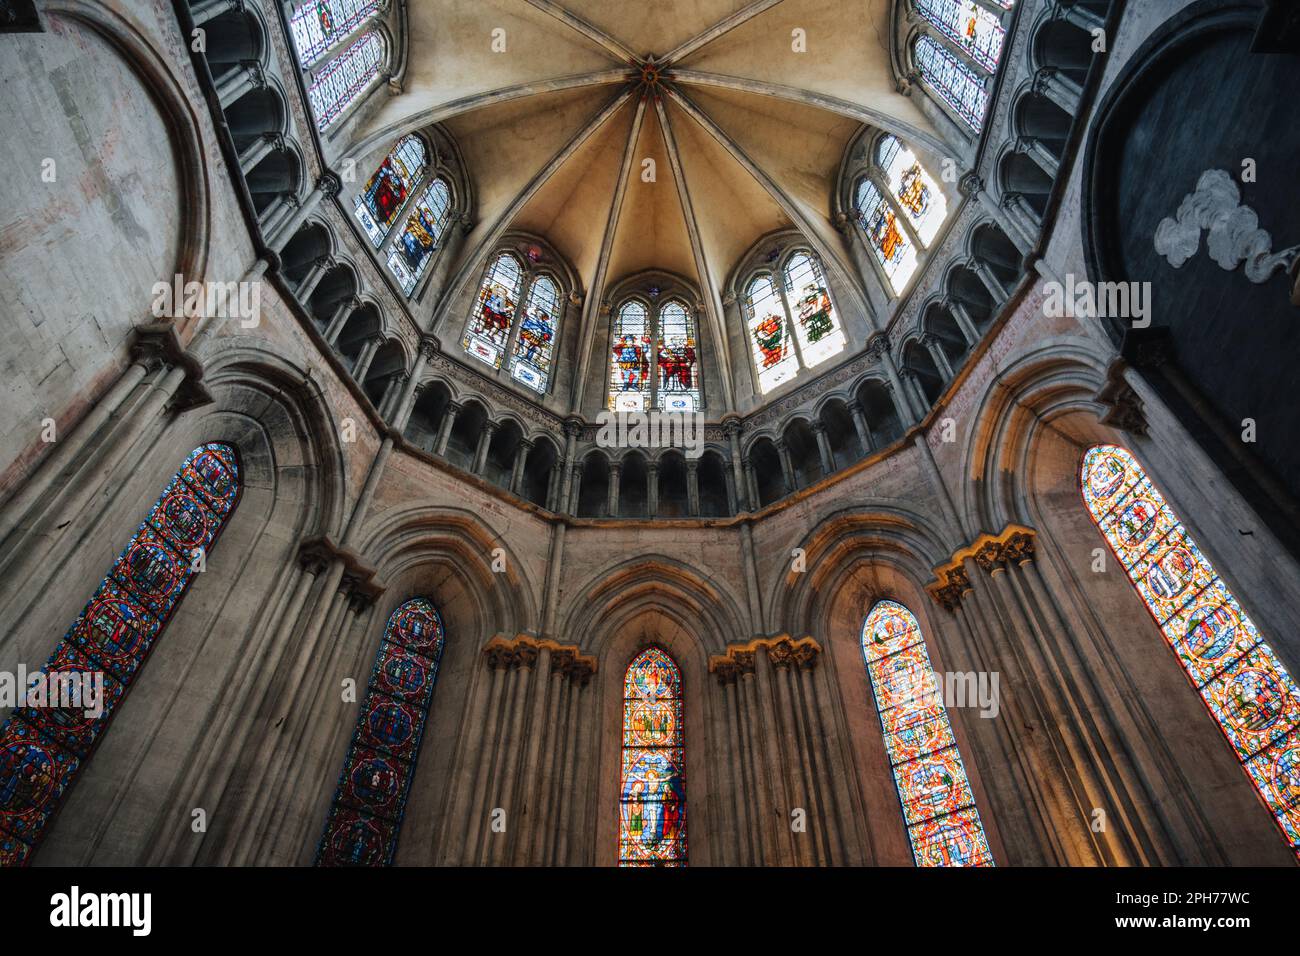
738 464
444 428
991 282
258 150
964 321
787 466
693 488
557 803
303 290
572 431
577 749
733 748
940 357
860 426
652 489
777 781
762 769
468 839
461 795
509 799
510 706
247 77
328 186
201 13
751 484
1040 154
1057 86
829 780
484 444
798 787
878 348
335 325
519 464
540 811
527 817
364 359
576 491
824 447
612 506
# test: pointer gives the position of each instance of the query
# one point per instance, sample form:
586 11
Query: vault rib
615 48
723 26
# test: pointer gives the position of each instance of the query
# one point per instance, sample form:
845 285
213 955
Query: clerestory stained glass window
939 810
893 250
972 27
425 227
340 81
1242 683
387 190
318 25
815 320
679 384
531 362
652 788
769 334
913 188
494 310
953 80
44 748
629 361
366 815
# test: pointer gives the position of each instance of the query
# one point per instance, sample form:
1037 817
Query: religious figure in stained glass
1238 677
366 814
533 346
938 803
389 187
42 749
679 386
652 791
630 354
424 229
494 311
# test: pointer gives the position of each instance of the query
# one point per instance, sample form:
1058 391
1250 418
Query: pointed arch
1243 684
366 814
943 823
652 786
44 748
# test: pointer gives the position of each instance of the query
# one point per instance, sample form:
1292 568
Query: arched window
425 226
955 82
366 814
318 25
342 79
629 364
1238 677
816 323
388 189
878 219
969 25
679 378
531 361
769 334
42 749
912 187
494 310
938 804
652 787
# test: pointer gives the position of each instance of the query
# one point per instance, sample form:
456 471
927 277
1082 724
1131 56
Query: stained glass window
629 362
679 376
976 30
769 334
413 248
1238 677
890 244
652 789
366 814
316 26
939 810
387 190
815 321
342 79
913 188
42 749
531 362
953 80
494 310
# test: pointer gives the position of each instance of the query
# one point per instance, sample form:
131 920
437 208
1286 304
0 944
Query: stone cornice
992 552
782 651
523 650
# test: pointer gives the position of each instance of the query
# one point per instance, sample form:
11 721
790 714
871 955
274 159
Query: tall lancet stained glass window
531 361
319 24
413 248
679 374
652 788
968 24
913 188
769 334
44 748
955 82
366 814
939 810
494 310
340 81
876 216
629 361
389 187
1240 680
815 320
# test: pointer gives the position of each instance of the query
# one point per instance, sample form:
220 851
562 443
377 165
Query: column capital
330 184
878 345
782 650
